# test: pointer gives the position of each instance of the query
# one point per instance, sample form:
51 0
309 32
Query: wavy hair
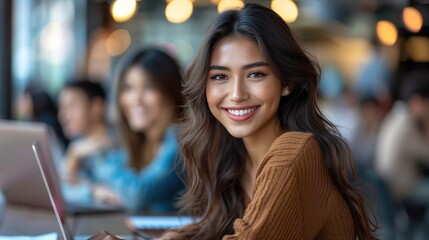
165 74
215 161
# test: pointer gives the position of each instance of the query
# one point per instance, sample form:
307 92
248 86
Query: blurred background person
337 101
402 158
144 177
149 104
82 117
35 104
373 98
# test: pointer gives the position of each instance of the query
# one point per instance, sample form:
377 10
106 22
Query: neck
155 134
258 145
153 139
97 131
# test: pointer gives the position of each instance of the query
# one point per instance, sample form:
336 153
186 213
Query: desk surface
22 220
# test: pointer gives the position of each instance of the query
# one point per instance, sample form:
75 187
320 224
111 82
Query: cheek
269 93
123 101
214 94
79 111
268 90
81 116
153 99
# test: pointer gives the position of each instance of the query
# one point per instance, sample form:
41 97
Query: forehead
236 50
72 94
136 73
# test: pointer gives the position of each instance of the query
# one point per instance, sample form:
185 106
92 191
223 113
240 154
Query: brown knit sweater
293 196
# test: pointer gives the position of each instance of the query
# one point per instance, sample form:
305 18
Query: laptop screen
53 191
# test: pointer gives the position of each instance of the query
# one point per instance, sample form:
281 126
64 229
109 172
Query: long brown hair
215 161
165 74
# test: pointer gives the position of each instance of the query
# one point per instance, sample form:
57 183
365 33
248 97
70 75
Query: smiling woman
261 159
240 86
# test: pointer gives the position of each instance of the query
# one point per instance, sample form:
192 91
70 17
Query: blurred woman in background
148 101
36 105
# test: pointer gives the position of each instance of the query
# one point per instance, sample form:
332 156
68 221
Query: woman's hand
80 150
105 194
170 235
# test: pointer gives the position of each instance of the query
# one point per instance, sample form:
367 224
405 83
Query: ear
285 91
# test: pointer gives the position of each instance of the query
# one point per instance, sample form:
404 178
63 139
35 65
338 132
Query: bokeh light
178 11
55 39
229 4
286 9
118 42
123 10
413 19
386 32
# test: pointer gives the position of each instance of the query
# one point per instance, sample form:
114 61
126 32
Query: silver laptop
55 195
20 179
51 187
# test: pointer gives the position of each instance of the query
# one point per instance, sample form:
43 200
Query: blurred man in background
402 158
82 116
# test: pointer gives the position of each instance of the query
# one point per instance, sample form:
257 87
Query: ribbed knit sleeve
293 196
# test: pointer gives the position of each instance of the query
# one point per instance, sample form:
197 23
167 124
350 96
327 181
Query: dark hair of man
415 82
91 89
42 101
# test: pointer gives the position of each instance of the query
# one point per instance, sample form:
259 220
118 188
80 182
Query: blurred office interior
52 41
364 48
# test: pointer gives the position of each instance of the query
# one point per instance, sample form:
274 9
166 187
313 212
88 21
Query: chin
138 127
71 134
238 134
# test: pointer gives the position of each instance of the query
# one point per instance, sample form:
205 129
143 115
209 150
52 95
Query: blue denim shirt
154 188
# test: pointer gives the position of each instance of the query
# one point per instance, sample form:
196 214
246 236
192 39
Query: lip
243 117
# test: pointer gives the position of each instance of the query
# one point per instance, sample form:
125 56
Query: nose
238 91
135 96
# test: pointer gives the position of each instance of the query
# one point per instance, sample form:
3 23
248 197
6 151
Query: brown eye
219 77
256 75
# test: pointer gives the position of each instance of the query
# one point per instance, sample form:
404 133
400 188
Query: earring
285 91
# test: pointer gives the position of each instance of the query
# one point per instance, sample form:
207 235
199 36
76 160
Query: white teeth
241 112
138 111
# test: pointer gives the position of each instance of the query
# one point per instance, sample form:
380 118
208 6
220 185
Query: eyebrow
247 66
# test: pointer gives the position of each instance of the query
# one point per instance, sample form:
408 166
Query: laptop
20 179
54 195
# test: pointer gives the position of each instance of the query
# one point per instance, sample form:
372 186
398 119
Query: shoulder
291 143
172 132
396 134
290 147
397 122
